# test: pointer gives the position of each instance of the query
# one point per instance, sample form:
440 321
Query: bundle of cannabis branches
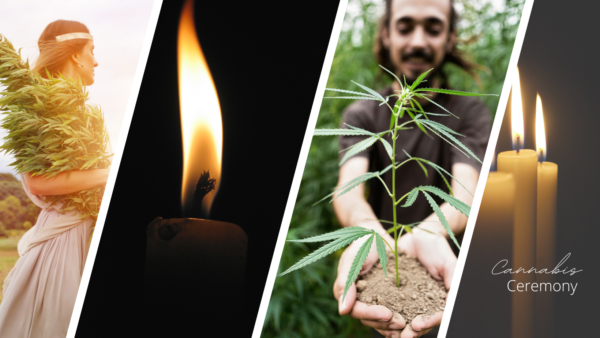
408 104
51 129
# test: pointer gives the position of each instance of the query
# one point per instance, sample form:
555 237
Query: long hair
53 54
455 56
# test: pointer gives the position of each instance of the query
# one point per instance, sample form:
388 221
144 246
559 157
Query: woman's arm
61 185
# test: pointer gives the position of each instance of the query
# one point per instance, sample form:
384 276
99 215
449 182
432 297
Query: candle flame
540 131
518 129
201 125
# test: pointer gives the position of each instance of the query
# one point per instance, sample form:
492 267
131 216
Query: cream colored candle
546 215
492 243
495 219
190 263
546 197
523 165
545 246
546 228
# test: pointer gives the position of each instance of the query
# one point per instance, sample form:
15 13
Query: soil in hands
419 293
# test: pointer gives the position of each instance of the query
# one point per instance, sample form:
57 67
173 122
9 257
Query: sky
119 29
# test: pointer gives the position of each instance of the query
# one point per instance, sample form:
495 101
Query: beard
428 57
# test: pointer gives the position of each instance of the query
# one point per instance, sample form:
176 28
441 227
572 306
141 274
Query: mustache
428 57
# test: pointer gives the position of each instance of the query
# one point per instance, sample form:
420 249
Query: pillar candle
194 269
545 245
495 219
491 243
523 166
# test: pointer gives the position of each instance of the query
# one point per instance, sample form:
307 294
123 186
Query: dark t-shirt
474 123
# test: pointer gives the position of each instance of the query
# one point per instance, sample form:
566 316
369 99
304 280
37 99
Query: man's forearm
354 210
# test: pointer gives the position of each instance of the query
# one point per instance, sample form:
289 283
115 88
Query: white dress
40 291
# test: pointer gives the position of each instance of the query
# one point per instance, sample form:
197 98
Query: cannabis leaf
440 130
450 92
386 144
354 183
379 241
357 263
350 92
342 239
371 91
358 147
441 217
348 231
344 132
453 201
51 129
435 103
419 79
353 98
394 75
412 197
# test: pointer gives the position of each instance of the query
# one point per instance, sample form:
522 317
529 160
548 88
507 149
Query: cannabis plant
407 103
51 129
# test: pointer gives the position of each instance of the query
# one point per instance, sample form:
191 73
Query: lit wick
540 131
541 156
205 185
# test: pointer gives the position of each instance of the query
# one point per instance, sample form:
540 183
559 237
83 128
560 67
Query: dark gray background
560 60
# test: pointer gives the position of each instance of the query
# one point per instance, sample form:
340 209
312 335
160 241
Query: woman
40 291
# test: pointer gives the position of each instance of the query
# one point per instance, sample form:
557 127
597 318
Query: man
414 36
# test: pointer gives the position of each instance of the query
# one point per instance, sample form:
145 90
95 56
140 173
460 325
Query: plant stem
394 137
401 198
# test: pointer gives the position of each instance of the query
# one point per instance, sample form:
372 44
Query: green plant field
8 254
7 261
10 243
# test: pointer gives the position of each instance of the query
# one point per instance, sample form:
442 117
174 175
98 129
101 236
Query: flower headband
72 36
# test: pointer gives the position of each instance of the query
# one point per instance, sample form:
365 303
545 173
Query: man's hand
376 316
434 252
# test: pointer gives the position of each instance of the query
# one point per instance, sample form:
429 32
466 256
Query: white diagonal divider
308 135
485 169
112 176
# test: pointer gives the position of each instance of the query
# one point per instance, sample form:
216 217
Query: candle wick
205 185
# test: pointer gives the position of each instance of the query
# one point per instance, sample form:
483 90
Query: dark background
559 60
266 60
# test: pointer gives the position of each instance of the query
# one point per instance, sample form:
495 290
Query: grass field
8 254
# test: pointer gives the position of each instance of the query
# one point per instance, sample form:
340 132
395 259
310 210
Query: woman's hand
61 185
